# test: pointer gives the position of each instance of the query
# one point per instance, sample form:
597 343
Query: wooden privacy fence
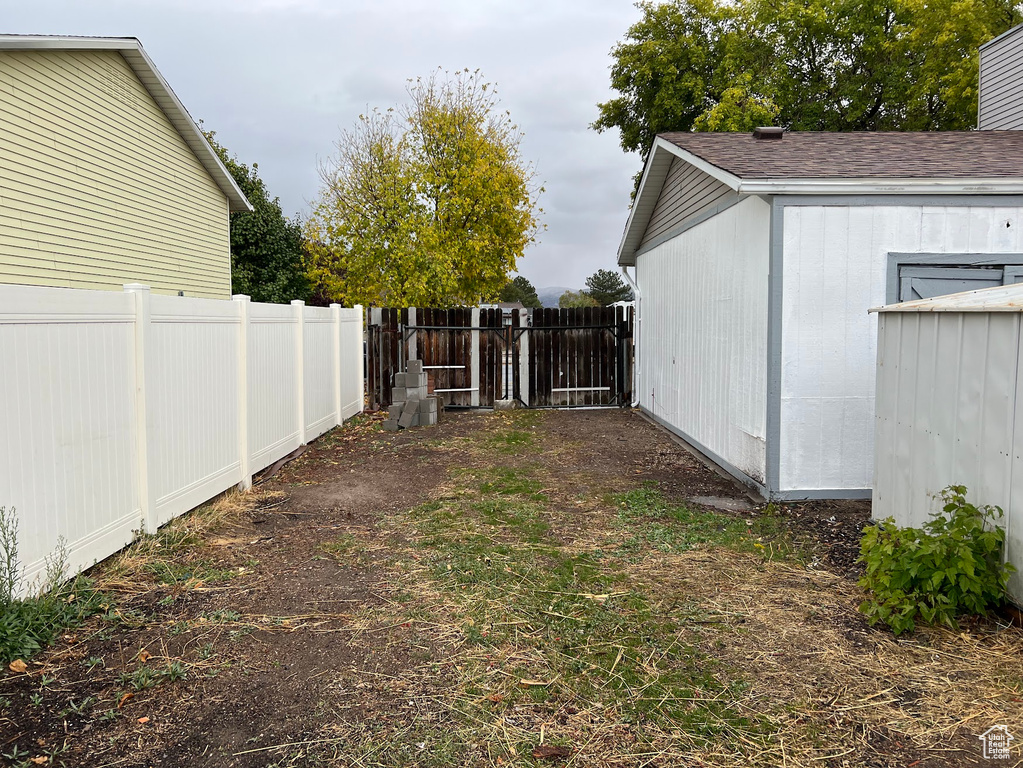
544 358
121 411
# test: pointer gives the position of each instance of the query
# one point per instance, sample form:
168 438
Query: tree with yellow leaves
430 204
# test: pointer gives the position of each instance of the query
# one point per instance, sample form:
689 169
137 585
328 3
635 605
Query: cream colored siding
97 188
687 191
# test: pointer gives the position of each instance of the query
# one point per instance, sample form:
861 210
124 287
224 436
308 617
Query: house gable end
686 193
99 188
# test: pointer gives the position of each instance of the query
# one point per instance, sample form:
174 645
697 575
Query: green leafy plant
950 567
27 624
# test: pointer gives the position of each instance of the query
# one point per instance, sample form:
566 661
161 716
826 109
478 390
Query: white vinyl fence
120 411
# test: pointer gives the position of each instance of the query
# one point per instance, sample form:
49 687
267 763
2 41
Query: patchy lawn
526 588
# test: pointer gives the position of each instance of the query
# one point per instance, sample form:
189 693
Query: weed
148 677
949 567
36 699
78 708
29 624
93 661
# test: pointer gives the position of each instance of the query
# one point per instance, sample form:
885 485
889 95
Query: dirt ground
311 622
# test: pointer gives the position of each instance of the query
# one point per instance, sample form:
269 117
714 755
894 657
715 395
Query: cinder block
421 392
391 425
407 417
398 395
394 411
399 380
414 366
415 380
414 395
428 419
428 405
416 420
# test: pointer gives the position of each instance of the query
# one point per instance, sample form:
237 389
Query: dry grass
703 644
175 554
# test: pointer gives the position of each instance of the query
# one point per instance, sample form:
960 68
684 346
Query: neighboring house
756 260
105 179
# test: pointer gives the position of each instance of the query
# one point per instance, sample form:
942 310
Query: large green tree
266 246
574 299
521 290
428 204
820 65
607 287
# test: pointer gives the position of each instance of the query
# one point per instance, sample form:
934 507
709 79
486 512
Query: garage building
756 259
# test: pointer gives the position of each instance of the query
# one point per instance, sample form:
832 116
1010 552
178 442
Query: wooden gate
544 358
579 357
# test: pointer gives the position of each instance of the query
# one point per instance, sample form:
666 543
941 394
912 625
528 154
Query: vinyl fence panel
273 354
192 397
120 411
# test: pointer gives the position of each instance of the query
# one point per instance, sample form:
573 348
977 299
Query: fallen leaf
143 720
124 699
41 760
496 698
18 666
549 752
144 655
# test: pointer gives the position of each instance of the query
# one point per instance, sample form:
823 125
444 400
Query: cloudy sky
278 79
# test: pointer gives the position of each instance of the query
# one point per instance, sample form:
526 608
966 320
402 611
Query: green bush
950 567
27 625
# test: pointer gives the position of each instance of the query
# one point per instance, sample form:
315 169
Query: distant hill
549 296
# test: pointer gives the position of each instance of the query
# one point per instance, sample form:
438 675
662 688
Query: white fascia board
876 186
710 169
144 68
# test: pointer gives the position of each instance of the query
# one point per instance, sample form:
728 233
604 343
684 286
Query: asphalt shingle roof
889 154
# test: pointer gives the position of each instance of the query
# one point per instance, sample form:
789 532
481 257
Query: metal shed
755 260
949 408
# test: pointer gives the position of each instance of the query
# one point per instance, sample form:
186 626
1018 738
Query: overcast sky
278 79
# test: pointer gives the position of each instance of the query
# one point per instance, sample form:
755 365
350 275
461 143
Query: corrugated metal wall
703 340
948 385
1001 83
835 269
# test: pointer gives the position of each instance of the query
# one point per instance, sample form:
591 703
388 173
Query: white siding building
756 262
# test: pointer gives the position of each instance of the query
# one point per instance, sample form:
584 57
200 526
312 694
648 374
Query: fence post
524 358
335 317
413 339
474 357
143 326
244 450
360 336
298 307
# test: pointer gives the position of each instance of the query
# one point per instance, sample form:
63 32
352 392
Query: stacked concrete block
412 405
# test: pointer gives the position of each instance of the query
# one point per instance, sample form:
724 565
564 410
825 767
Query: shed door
925 282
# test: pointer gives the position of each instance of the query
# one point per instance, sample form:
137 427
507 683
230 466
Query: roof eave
144 68
876 186
658 161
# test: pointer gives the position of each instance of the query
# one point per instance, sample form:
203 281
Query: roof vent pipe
768 132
